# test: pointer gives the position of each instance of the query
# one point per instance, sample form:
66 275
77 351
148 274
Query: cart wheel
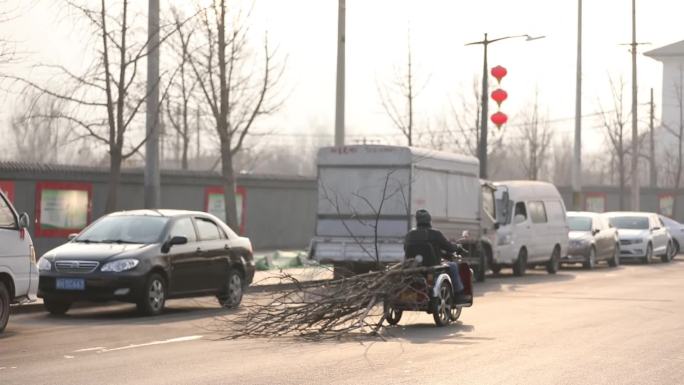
441 310
392 315
455 313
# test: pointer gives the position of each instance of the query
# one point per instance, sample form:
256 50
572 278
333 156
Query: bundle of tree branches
322 310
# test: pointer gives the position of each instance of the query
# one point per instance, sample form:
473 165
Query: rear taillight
32 250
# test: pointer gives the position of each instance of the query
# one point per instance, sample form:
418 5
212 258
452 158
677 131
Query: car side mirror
497 225
72 236
177 240
595 231
519 218
24 221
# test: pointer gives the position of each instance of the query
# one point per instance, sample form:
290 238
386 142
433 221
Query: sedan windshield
630 223
125 229
579 223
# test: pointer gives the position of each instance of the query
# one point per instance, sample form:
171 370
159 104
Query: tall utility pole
339 96
152 180
577 160
482 143
635 134
653 174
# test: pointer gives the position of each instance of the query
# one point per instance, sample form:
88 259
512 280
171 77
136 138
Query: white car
18 270
676 230
642 236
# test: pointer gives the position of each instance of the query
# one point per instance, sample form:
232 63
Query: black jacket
426 235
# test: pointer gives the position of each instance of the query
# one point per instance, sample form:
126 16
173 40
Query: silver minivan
18 270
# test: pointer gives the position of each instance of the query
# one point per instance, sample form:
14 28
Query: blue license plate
70 284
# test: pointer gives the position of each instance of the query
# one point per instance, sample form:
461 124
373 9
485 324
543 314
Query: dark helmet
423 218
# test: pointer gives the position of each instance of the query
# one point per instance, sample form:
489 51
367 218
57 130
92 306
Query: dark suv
146 257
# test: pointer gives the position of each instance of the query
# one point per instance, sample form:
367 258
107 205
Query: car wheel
154 295
520 264
667 257
441 311
675 252
4 306
392 315
615 261
455 313
590 263
56 307
649 254
232 291
481 268
553 264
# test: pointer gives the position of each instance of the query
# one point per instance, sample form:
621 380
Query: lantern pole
482 145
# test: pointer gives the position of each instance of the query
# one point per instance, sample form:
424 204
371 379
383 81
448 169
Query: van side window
520 210
555 211
6 215
537 212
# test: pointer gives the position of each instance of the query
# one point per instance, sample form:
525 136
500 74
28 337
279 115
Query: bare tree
38 134
235 87
398 98
614 123
535 141
104 101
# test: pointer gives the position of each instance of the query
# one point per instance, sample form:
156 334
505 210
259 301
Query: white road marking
135 346
68 357
89 349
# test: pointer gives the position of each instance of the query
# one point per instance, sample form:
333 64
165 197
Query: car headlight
505 240
120 265
44 264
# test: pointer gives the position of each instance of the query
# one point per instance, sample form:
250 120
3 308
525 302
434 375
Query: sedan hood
629 233
91 251
580 236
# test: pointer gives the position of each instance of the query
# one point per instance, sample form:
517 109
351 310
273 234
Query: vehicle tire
341 271
590 263
154 295
667 257
615 261
4 306
455 313
496 268
232 292
520 264
553 265
481 269
392 316
676 249
441 310
56 307
649 254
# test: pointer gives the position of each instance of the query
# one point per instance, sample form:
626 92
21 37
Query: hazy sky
306 31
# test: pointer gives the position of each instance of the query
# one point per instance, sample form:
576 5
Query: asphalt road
607 326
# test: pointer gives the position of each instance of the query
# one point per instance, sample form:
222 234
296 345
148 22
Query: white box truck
367 195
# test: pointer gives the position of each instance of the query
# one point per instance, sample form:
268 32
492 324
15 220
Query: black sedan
146 257
591 239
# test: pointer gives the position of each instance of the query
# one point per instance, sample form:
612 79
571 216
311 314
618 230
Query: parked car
642 236
676 230
146 257
18 271
592 239
533 228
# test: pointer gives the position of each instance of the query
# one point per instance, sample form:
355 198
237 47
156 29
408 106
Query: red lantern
499 119
499 96
499 72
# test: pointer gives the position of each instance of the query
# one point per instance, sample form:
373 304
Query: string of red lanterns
499 96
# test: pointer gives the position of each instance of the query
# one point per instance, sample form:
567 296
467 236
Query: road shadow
456 333
497 282
118 313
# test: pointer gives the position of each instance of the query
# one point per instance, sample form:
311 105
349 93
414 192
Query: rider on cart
434 247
